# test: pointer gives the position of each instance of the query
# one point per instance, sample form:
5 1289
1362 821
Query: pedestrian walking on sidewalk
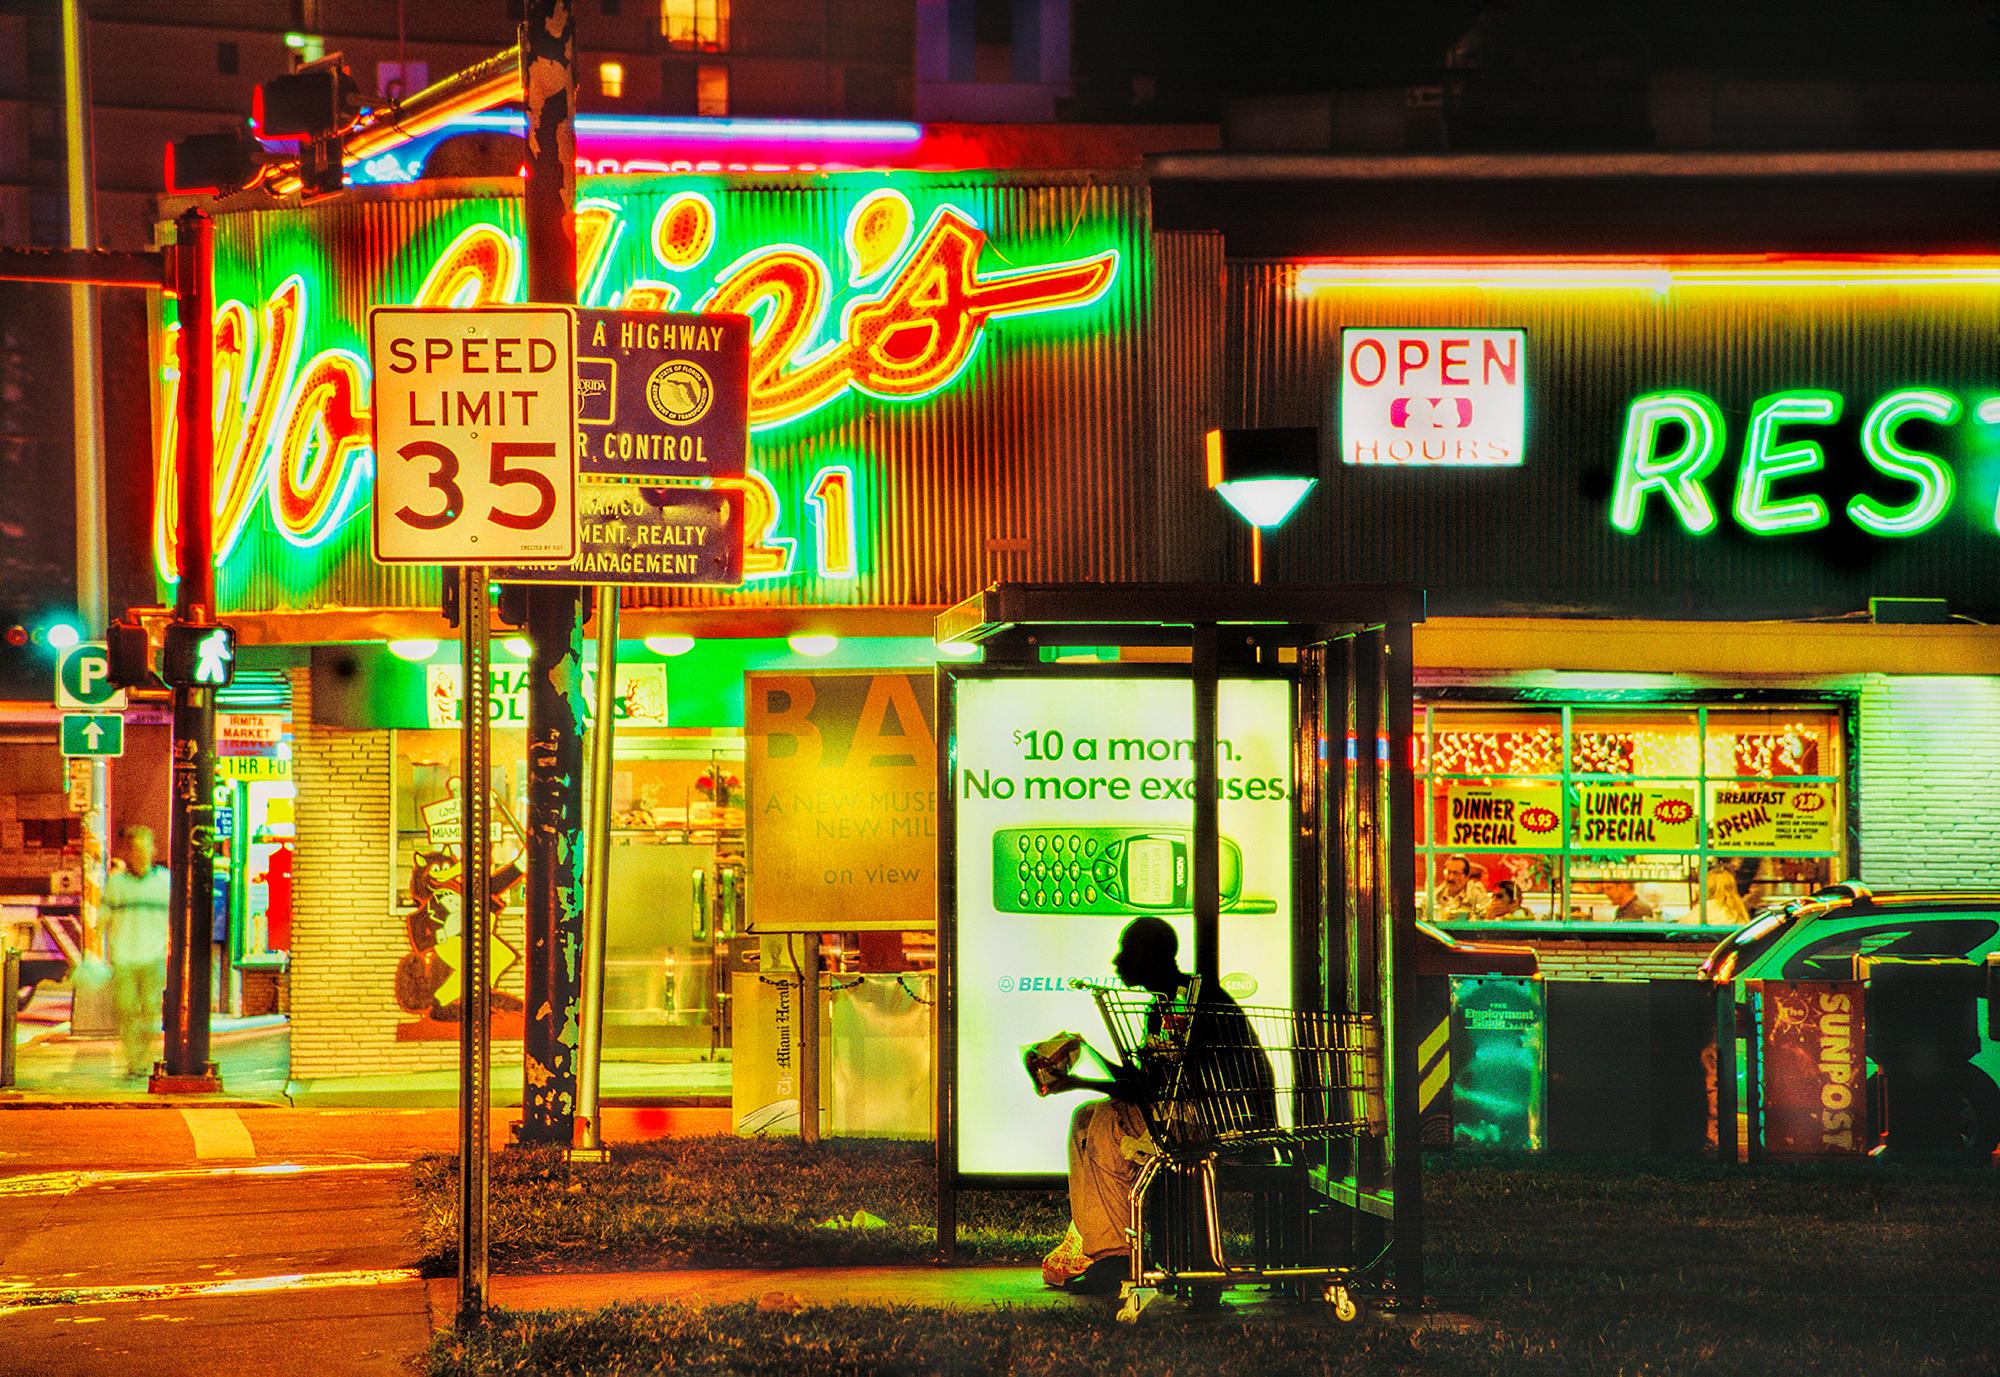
136 902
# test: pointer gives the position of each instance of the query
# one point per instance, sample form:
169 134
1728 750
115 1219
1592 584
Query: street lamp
1264 474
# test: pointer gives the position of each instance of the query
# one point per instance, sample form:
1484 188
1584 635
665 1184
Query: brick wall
1621 960
1929 780
347 933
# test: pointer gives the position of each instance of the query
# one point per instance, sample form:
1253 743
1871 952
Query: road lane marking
14 1301
63 1182
218 1133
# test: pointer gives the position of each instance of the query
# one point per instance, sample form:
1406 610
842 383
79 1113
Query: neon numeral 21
769 553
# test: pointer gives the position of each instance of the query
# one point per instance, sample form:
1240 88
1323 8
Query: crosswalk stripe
218 1133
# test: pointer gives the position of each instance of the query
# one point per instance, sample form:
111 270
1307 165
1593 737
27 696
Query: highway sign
662 394
83 678
93 733
650 536
475 434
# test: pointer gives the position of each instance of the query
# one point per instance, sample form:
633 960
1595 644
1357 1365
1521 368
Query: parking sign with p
83 679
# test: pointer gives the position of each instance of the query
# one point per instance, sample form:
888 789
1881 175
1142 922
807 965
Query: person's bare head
1457 873
1149 955
1619 892
135 847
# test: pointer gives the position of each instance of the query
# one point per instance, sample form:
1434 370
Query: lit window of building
611 79
701 25
711 90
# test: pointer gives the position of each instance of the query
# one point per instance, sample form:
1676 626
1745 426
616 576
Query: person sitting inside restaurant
1109 1139
1724 901
1625 901
1460 894
1506 902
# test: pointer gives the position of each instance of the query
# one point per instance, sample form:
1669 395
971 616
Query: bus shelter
1235 759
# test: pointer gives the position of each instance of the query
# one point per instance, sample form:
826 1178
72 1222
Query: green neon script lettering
1677 476
1930 473
1764 462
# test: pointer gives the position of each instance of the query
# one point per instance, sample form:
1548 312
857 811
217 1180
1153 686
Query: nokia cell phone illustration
1111 871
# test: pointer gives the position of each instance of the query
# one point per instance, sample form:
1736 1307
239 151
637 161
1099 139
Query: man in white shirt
136 904
1460 895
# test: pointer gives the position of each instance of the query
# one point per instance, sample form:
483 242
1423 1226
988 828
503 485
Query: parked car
1818 938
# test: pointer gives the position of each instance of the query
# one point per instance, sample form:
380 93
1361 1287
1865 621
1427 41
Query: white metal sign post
475 457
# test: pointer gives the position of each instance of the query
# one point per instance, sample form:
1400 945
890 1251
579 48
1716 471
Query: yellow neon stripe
1636 275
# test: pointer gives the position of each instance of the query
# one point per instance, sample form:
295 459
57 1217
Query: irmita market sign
1675 445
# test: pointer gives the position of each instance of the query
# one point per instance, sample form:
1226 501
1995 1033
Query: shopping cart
1249 1098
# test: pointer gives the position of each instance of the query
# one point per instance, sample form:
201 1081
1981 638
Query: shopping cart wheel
1132 1301
1346 1308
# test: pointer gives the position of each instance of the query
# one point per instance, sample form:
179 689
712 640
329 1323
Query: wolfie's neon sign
293 432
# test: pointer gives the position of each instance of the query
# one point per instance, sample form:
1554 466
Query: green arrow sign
93 733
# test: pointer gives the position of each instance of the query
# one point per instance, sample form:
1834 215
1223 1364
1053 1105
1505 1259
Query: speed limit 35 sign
475 434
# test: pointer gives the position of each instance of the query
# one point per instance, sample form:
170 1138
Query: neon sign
912 304
1674 441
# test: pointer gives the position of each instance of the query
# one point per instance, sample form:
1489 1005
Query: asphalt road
211 1240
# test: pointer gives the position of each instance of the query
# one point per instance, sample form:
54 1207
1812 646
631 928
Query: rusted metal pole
191 846
555 623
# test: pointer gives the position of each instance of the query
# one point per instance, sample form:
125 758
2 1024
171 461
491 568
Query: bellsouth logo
1033 984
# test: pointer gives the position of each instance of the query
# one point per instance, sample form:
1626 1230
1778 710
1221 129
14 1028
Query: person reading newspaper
1108 1137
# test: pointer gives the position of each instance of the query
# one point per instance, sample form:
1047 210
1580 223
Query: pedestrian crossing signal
198 656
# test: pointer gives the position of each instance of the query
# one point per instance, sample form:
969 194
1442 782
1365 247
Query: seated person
1460 893
1506 902
1108 1138
1625 901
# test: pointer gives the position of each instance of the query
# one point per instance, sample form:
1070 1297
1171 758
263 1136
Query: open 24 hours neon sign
293 432
1674 443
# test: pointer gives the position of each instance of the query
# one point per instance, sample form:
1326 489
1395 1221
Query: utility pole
92 598
555 622
191 850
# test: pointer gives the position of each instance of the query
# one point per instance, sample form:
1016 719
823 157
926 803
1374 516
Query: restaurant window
675 904
1641 814
697 25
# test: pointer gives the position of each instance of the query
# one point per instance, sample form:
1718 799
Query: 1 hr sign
475 434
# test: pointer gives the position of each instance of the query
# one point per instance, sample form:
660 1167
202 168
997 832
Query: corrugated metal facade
1537 538
1040 462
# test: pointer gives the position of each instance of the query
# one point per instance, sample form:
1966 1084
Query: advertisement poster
1509 817
1773 817
842 811
1815 1069
1075 814
1636 817
1499 1060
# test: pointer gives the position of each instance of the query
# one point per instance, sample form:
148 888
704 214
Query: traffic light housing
310 103
218 162
198 656
130 652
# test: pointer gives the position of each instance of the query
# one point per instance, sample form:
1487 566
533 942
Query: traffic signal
130 652
224 161
198 656
312 102
311 105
